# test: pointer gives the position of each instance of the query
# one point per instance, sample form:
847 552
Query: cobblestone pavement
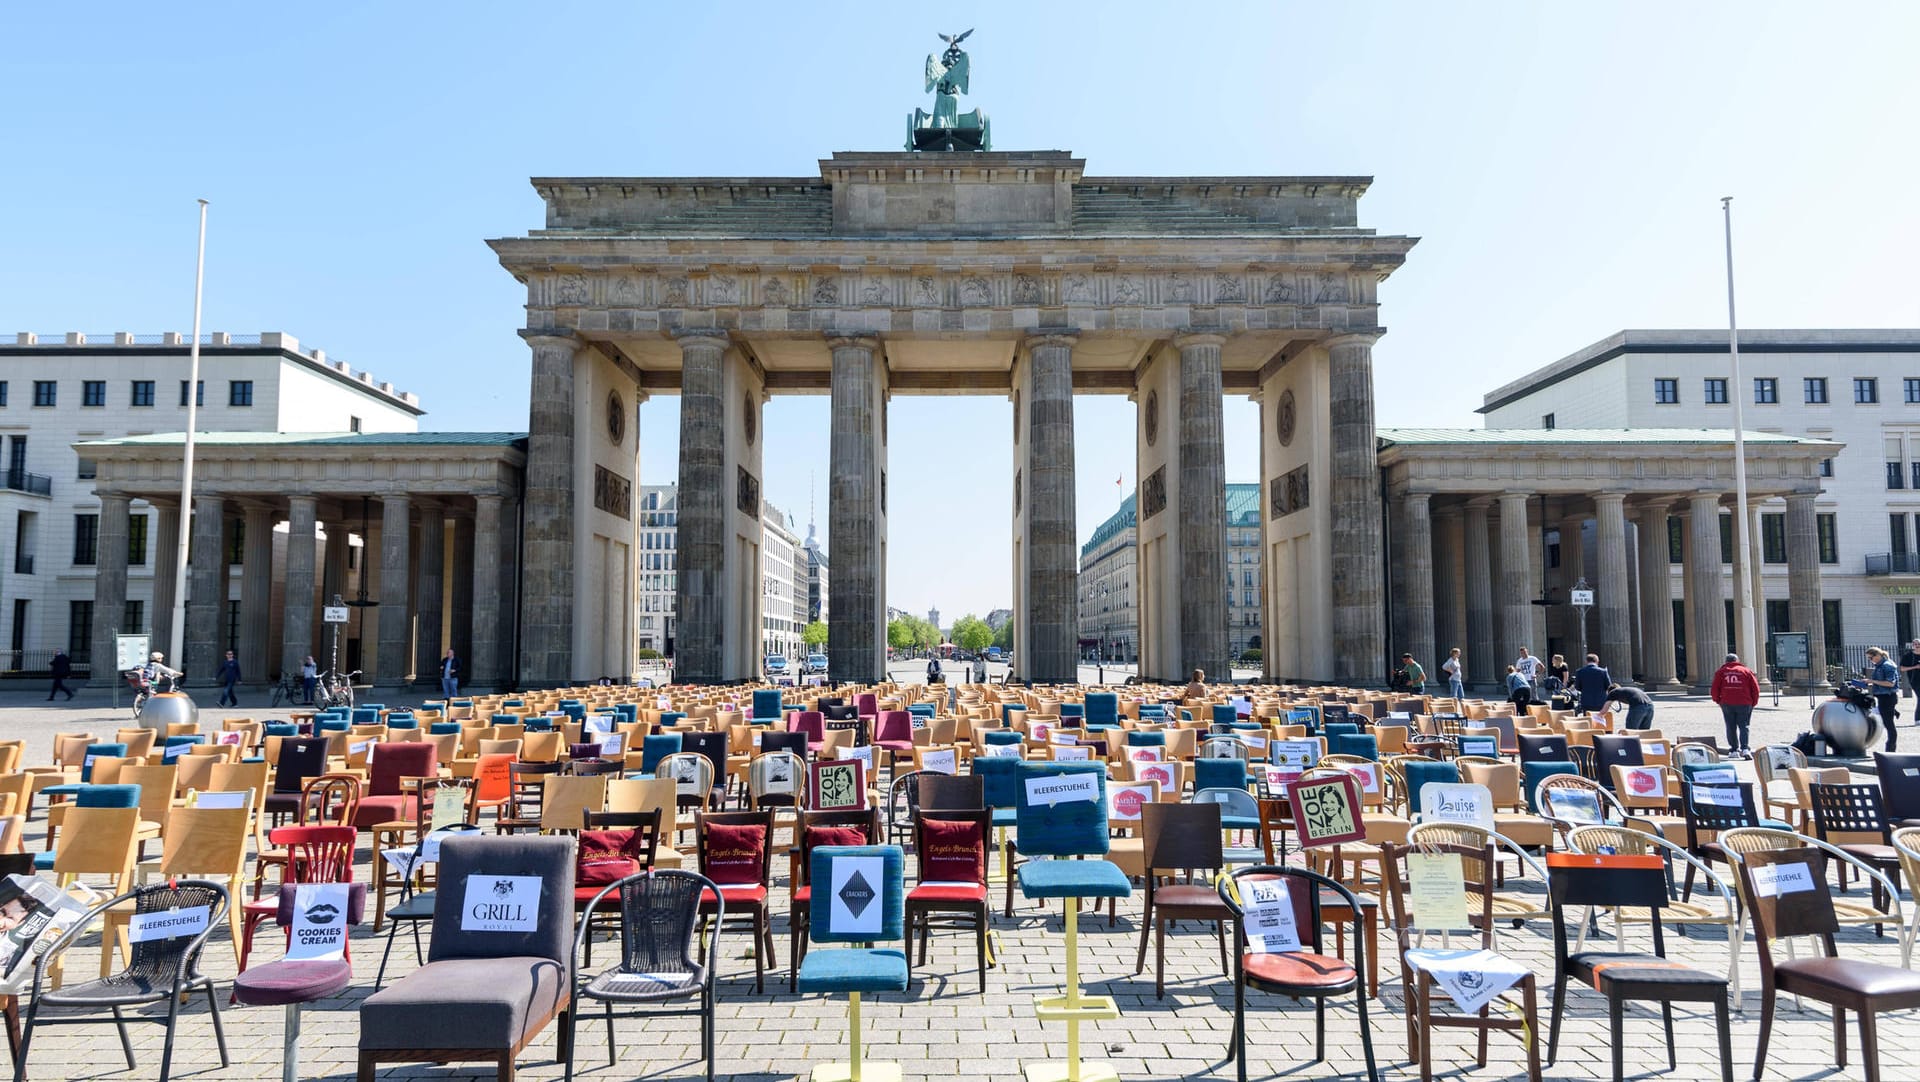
944 1028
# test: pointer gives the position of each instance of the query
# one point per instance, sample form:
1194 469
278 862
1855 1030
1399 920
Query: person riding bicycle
156 674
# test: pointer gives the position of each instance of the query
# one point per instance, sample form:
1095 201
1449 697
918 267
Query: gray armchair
483 994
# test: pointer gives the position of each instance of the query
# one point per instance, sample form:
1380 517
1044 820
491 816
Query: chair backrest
1475 865
1181 836
1612 751
1061 809
200 906
1419 774
1220 773
640 794
1001 779
1532 774
1232 801
659 920
206 842
735 847
300 758
870 878
711 745
514 895
952 791
1543 748
1899 783
1849 813
1786 892
317 854
950 845
776 777
564 797
330 800
97 841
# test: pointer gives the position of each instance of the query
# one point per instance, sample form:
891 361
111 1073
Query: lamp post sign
1581 597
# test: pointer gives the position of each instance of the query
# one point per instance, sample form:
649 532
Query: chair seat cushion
479 1003
418 906
43 861
1005 817
752 894
619 987
853 969
1863 978
904 747
1239 822
278 983
71 788
1608 967
1073 879
1189 896
374 810
1525 830
1299 969
802 895
1872 853
947 892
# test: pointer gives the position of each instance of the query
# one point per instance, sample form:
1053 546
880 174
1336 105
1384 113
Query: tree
899 633
925 635
814 634
1003 638
970 633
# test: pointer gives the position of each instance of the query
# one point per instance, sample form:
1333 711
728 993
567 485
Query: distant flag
1120 482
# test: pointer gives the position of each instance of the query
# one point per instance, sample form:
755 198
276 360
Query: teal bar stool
859 899
1062 813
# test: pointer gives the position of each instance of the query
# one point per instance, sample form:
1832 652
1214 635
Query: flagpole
178 639
1742 555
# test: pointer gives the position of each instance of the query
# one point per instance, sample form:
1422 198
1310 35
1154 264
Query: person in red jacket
1737 691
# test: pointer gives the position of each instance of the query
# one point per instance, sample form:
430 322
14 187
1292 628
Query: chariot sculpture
947 128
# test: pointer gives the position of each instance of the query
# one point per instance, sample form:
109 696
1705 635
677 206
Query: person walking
61 667
1638 703
1415 675
1883 679
1529 667
1910 664
1456 671
449 674
309 676
1591 682
1737 691
979 668
229 675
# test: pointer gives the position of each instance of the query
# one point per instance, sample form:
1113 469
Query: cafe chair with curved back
1848 911
1621 880
1278 940
314 855
864 907
659 921
1787 898
950 844
169 930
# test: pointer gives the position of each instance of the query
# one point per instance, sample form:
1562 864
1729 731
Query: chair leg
1527 1037
1616 1023
166 1050
1666 1015
1159 958
1839 1037
126 1043
706 1030
219 1034
380 978
980 946
763 934
1869 1045
1146 921
1319 1029
1766 1027
1366 1033
611 1058
503 1072
1237 1044
1726 1040
1553 1022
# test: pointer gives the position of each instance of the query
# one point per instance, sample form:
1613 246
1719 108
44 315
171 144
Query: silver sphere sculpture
168 708
1849 732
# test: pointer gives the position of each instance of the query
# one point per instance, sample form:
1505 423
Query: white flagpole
178 639
1742 555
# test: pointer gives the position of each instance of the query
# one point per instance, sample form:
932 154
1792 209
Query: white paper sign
854 884
600 723
1770 880
864 753
1003 751
319 931
1063 753
239 799
1278 778
168 924
1124 802
1653 747
1062 736
944 761
236 738
501 903
1063 789
1254 743
1161 774
1457 803
1268 918
1717 795
777 776
1368 775
1719 775
361 748
1294 755
1040 732
613 744
1147 754
686 776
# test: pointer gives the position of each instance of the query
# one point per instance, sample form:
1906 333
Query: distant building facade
784 611
1109 580
659 510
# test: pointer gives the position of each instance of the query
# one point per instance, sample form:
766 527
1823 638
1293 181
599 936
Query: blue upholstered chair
1069 821
1220 774
1002 736
282 728
400 719
1103 709
1137 738
1365 745
1534 772
443 728
574 709
541 724
340 725
511 703
629 712
1006 713
1225 714
926 710
655 747
365 715
1421 774
767 705
1073 710
867 882
672 717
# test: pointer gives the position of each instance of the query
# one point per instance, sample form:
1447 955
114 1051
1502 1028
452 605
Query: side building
788 579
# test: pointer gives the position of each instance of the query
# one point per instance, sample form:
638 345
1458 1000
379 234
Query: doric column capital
1352 338
551 336
1420 498
1448 511
1062 337
111 496
1614 500
852 340
1479 503
1199 336
701 338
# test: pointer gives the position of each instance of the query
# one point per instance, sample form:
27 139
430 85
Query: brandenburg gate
953 272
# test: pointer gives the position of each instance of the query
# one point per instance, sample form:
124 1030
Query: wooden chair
100 842
1853 818
1184 838
951 844
1742 843
736 852
567 798
202 843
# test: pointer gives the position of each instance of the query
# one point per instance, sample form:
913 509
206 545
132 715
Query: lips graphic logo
322 914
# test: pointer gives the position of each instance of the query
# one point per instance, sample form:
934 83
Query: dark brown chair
736 852
952 792
1853 819
597 863
951 845
1620 880
1182 838
1711 808
1788 908
818 828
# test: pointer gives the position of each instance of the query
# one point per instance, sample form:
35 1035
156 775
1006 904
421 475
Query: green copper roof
320 439
1243 509
1397 436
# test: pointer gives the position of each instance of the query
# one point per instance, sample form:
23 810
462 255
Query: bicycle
335 689
288 691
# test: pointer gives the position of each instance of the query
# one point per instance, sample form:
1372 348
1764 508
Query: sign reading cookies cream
501 903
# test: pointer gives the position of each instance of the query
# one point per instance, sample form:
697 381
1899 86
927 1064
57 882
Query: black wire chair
415 907
659 920
161 970
903 805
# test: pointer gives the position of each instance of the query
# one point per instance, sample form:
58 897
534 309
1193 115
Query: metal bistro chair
659 922
164 968
415 906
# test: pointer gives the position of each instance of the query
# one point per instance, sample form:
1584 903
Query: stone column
109 587
1513 595
547 611
854 646
490 630
206 593
429 596
459 583
1706 593
1656 600
1202 528
1051 550
1484 664
296 618
395 662
335 574
256 595
1610 592
1359 623
166 568
1573 564
1804 600
1449 607
705 497
1634 624
1755 653
1418 604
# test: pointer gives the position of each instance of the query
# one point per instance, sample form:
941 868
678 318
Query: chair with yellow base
865 905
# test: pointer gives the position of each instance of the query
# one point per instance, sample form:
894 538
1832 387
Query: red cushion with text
955 851
736 852
608 856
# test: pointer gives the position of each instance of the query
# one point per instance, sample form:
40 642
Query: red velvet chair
811 722
894 735
385 801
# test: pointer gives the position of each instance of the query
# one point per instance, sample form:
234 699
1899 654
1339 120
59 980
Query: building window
1676 546
1915 467
237 542
1829 533
1766 391
200 393
240 392
1910 387
44 392
1830 622
1773 539
79 629
89 469
93 392
1726 537
1816 389
1666 392
142 393
353 424
133 619
233 626
1896 475
137 540
1826 467
1716 391
86 540
3 392
1866 390
1547 422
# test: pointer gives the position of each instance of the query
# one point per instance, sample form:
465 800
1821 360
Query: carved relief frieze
826 290
874 291
1079 289
926 291
1026 289
1153 494
976 291
572 289
675 292
775 293
1229 289
1127 290
723 289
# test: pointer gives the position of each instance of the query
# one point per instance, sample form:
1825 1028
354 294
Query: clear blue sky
1561 162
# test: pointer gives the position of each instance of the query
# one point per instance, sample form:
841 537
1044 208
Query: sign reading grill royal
501 903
